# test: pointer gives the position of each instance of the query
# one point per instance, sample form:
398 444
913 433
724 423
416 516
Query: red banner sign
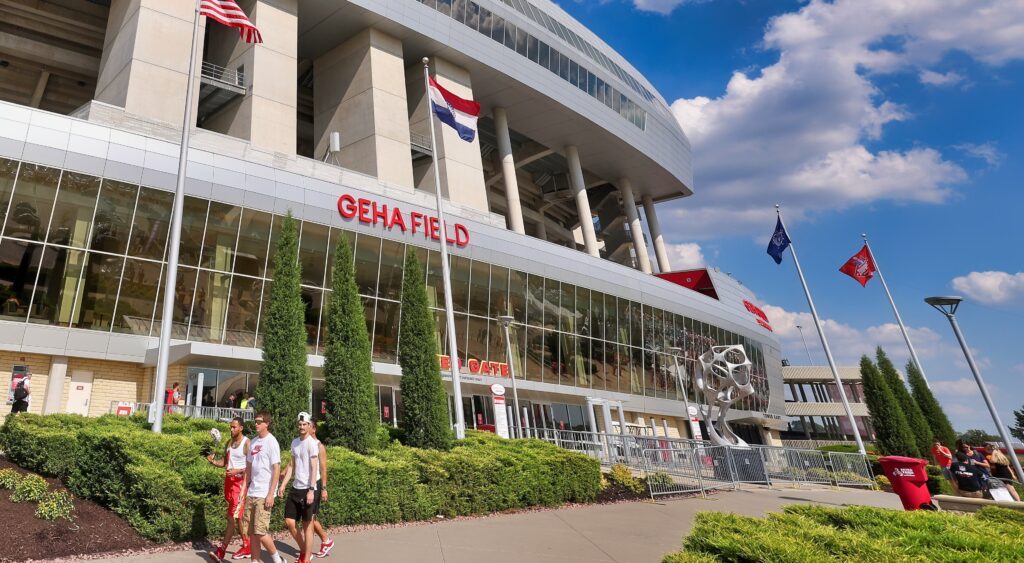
372 213
478 367
761 318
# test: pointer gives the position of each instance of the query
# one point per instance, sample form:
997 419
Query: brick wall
39 365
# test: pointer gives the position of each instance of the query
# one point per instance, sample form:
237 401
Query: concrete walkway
625 532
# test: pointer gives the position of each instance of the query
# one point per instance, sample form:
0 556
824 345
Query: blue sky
898 119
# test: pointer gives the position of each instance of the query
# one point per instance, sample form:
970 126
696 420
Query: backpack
20 392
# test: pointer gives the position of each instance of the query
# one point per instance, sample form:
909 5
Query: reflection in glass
392 262
535 301
367 260
536 354
32 202
183 294
337 235
72 214
138 296
313 253
460 282
221 236
476 344
98 292
479 288
435 283
113 220
19 263
151 224
253 238
57 292
8 172
385 331
312 299
209 307
193 222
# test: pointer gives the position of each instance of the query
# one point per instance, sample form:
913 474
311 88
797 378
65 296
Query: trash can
909 480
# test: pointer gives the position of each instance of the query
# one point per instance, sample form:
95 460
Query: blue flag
780 241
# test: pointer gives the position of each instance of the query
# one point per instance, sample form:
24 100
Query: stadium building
544 205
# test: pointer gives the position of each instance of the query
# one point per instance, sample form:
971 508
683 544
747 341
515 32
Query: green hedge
163 487
857 533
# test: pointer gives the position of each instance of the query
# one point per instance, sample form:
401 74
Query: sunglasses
258 421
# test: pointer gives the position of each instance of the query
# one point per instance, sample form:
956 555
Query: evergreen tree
424 400
284 388
977 437
919 428
930 407
352 416
1017 430
892 435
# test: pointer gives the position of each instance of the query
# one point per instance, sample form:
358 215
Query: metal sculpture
724 378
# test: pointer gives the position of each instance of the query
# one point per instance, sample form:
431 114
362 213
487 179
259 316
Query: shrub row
857 533
162 485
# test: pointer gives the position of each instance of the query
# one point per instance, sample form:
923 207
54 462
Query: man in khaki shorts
262 472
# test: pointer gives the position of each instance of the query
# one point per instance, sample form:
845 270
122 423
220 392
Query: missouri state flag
456 112
860 266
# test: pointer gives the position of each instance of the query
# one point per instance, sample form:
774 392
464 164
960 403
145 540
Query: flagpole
824 341
899 320
175 240
453 349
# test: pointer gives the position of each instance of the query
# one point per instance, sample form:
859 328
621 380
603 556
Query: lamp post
948 306
676 352
806 349
506 323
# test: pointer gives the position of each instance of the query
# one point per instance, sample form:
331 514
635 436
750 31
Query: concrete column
639 245
659 241
582 202
55 385
542 227
508 171
591 419
144 66
266 114
359 91
622 419
460 163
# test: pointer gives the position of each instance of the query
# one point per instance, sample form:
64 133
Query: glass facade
88 253
504 32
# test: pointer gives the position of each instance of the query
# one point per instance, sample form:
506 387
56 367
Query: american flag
228 13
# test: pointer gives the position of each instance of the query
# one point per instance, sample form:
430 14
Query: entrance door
80 393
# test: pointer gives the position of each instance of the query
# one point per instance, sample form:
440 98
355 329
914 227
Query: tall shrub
1017 428
285 386
919 428
930 407
424 400
352 418
892 435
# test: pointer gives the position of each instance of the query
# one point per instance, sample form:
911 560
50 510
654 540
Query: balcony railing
223 75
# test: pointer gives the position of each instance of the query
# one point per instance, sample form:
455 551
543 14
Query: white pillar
508 171
542 227
55 385
659 241
579 189
639 245
622 419
590 416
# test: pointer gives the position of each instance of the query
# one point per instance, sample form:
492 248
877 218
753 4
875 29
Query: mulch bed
615 492
94 529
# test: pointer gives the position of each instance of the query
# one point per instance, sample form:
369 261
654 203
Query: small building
815 409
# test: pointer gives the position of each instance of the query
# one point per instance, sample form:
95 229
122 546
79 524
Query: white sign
695 428
500 415
692 410
497 390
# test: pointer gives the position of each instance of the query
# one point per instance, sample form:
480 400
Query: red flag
229 14
860 266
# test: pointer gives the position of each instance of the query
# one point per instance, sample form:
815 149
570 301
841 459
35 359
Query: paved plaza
625 532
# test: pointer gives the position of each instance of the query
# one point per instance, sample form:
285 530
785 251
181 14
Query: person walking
968 477
326 543
301 503
1000 466
262 473
943 458
22 391
233 463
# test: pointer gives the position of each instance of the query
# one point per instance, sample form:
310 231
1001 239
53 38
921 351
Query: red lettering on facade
347 206
372 213
364 210
397 220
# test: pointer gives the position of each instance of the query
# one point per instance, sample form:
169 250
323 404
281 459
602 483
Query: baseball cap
305 417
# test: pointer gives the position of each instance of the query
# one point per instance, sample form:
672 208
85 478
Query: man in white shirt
262 471
301 502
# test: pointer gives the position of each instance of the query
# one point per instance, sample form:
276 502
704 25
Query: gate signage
370 212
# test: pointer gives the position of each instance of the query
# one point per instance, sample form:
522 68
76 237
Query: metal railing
192 411
223 75
677 465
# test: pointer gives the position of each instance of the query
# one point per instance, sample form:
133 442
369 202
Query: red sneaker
218 555
325 548
243 553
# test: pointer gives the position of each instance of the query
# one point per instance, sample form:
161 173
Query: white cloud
992 288
658 6
932 78
686 256
959 387
797 131
984 151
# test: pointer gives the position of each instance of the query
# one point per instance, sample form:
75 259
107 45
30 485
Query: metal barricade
851 469
671 471
192 411
748 466
715 467
812 467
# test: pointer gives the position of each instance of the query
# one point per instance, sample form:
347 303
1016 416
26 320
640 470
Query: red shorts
233 494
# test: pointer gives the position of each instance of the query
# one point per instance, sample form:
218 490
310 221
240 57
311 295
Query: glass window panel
535 301
459 10
57 291
98 292
113 217
476 340
567 308
574 72
32 202
578 357
336 236
531 48
537 354
560 416
583 311
444 6
243 311
253 237
8 172
517 339
577 421
209 307
624 318
552 294
460 282
385 331
435 282
473 16
151 224
497 350
313 253
221 236
386 400
183 293
498 29
544 54
486 17
553 62
392 263
369 305
510 35
312 300
499 292
193 223
19 264
636 325
139 286
72 213
367 259
517 295
440 331
479 288
597 314
591 84
461 333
